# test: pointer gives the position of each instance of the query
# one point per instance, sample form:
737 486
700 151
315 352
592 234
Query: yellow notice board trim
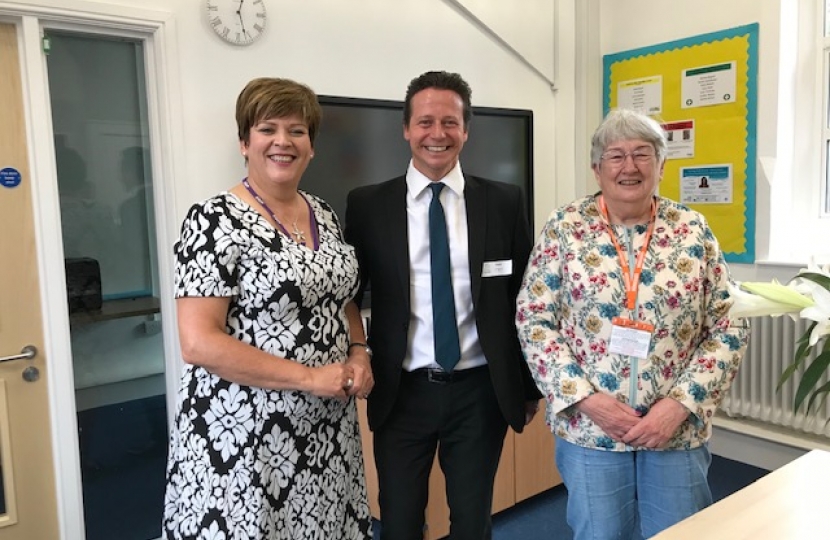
704 90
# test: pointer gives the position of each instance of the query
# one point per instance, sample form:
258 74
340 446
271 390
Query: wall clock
239 22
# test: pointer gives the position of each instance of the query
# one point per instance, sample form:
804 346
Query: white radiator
753 394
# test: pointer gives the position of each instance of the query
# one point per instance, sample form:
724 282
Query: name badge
497 268
630 338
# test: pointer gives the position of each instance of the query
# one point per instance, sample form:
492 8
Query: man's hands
531 408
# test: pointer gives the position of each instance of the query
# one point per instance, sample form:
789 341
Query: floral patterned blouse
572 290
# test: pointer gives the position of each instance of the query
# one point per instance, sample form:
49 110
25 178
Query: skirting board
759 444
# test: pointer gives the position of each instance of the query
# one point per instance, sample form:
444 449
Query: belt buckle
438 376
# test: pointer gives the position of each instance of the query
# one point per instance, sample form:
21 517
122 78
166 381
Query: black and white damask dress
248 463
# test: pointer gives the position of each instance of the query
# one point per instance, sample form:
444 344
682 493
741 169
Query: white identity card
630 341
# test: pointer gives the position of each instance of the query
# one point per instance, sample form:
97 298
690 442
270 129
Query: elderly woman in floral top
624 321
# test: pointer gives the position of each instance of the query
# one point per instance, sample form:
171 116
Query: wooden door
29 508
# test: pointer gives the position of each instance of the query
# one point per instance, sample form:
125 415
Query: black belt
439 376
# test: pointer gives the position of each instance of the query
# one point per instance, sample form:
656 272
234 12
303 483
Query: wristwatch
358 344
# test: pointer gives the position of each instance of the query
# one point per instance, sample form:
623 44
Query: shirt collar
417 183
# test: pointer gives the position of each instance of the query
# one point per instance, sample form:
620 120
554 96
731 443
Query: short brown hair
267 97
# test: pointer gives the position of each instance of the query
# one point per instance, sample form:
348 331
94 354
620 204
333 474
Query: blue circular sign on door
9 177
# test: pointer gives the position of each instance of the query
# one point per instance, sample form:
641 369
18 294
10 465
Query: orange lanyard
632 283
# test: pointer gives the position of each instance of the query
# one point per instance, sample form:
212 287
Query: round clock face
239 22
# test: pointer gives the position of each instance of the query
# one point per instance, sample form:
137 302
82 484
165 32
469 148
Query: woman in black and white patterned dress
265 443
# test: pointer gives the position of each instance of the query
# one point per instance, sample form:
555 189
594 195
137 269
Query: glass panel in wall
99 103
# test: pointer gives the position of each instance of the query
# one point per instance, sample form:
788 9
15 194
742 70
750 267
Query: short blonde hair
266 97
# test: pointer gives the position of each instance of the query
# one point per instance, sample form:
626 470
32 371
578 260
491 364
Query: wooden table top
792 502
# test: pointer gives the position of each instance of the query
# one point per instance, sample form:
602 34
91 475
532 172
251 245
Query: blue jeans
609 492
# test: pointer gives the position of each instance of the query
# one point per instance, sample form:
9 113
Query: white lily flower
820 312
821 330
786 295
808 295
747 304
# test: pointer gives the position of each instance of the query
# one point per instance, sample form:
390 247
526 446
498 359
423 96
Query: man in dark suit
451 384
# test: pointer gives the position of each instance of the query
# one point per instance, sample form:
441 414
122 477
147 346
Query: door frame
157 31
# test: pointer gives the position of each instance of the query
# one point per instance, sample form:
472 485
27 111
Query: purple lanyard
296 234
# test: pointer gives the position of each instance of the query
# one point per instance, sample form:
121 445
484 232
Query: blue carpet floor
543 517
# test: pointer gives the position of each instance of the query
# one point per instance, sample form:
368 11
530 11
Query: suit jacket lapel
475 199
399 238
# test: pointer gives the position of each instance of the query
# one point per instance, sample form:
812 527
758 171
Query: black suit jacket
498 230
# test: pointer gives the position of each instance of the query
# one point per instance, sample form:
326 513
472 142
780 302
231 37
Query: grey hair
626 125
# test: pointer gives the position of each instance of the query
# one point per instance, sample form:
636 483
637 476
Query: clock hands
241 19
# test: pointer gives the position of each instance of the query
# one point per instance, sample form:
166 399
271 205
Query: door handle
28 352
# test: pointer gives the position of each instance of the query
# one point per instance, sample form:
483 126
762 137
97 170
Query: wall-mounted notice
711 184
644 94
681 139
708 85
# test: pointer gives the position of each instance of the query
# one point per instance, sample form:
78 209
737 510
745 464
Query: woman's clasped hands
351 378
625 424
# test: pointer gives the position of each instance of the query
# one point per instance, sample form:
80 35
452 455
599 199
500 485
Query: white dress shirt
420 352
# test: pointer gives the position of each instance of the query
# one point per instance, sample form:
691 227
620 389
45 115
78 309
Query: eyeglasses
640 156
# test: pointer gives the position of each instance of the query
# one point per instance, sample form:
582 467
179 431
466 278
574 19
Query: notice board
703 90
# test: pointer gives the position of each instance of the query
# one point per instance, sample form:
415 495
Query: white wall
366 48
363 48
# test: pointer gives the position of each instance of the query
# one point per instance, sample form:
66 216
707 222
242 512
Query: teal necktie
444 324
